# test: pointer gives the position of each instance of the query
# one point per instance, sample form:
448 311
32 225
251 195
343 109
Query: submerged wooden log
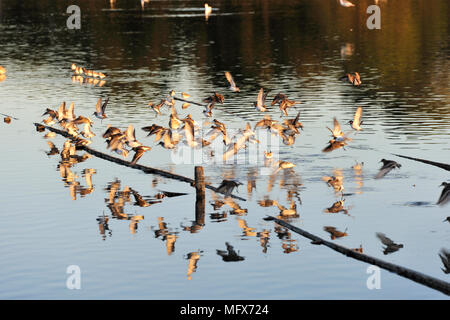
126 163
433 163
413 275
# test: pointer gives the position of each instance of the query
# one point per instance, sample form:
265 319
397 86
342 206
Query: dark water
54 215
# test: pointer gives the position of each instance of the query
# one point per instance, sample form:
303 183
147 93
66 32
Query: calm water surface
52 219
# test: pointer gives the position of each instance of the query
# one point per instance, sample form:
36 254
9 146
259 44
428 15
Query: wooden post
200 196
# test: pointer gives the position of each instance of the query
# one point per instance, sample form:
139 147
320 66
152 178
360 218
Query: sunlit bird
283 102
100 108
139 152
260 100
208 10
233 86
346 3
227 186
110 131
356 122
336 132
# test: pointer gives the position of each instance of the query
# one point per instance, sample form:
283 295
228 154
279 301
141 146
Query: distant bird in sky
233 86
445 195
388 165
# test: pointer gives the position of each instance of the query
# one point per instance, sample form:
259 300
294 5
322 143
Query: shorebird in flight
356 122
283 102
445 258
336 132
259 104
388 165
233 86
391 246
100 108
445 195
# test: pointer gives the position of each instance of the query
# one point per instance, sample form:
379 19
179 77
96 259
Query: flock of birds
188 131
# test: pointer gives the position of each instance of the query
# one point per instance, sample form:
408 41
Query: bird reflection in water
334 233
103 226
337 207
288 244
193 258
165 235
357 175
116 204
229 255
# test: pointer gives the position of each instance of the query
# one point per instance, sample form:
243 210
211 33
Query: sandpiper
445 195
445 258
216 98
388 165
100 108
130 137
139 151
259 104
294 122
391 246
356 122
336 132
283 102
157 107
110 131
233 86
